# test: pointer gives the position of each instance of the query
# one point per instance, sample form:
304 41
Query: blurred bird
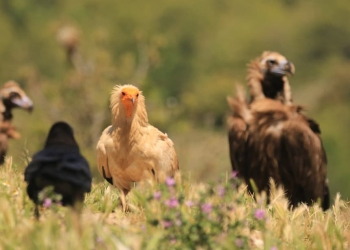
69 38
267 77
132 150
12 96
269 139
60 165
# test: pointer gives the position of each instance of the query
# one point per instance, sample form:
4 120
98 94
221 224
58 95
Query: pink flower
172 202
47 203
170 182
274 248
157 195
221 191
167 223
189 203
259 214
239 242
234 174
207 208
178 222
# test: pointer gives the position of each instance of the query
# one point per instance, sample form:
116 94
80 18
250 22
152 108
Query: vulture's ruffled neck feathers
139 117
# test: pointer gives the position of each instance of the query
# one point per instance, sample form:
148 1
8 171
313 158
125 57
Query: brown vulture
12 96
271 138
61 166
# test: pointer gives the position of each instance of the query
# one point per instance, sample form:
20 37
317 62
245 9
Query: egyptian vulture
131 150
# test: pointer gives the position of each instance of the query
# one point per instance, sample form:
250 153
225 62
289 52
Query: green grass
217 215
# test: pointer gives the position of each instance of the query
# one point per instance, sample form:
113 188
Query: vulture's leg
122 197
36 212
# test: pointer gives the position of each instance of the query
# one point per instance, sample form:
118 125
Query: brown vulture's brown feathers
269 137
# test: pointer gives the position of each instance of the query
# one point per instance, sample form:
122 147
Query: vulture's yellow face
276 64
129 97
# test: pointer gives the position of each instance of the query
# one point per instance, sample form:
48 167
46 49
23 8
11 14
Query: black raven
61 166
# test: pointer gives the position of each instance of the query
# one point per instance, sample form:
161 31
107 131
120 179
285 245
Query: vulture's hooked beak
24 103
129 103
283 68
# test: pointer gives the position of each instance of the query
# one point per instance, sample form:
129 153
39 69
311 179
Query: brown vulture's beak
24 103
283 68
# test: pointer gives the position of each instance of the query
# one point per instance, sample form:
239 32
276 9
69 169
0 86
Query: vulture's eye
14 95
271 62
123 93
137 95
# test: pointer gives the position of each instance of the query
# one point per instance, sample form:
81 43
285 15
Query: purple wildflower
157 195
167 223
170 181
189 203
274 248
47 203
207 208
239 242
221 191
172 202
234 174
259 214
178 222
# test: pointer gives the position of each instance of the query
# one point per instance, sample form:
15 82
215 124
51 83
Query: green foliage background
186 56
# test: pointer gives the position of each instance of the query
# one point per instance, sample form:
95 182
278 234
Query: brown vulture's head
275 64
13 96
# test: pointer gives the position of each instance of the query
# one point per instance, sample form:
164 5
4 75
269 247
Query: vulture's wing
164 154
102 157
238 129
